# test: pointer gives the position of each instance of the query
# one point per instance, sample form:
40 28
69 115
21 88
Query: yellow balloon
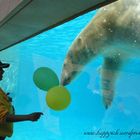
58 98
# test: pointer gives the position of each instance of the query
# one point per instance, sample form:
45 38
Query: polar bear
113 33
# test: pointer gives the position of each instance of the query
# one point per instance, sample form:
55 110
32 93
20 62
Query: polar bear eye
64 65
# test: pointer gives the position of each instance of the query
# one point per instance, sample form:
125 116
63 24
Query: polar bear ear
80 40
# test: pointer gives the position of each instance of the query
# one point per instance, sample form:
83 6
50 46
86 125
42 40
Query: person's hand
35 116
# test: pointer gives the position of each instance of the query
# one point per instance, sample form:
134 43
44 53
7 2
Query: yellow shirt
6 129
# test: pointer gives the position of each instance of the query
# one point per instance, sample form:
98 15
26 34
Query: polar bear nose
65 79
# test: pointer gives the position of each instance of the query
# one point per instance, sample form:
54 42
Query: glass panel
87 116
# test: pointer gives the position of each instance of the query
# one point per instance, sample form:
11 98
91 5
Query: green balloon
58 98
45 78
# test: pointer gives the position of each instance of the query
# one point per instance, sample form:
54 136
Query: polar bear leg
109 74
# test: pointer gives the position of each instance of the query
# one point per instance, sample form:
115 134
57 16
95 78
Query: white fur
115 33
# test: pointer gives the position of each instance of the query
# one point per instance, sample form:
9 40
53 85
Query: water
86 112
